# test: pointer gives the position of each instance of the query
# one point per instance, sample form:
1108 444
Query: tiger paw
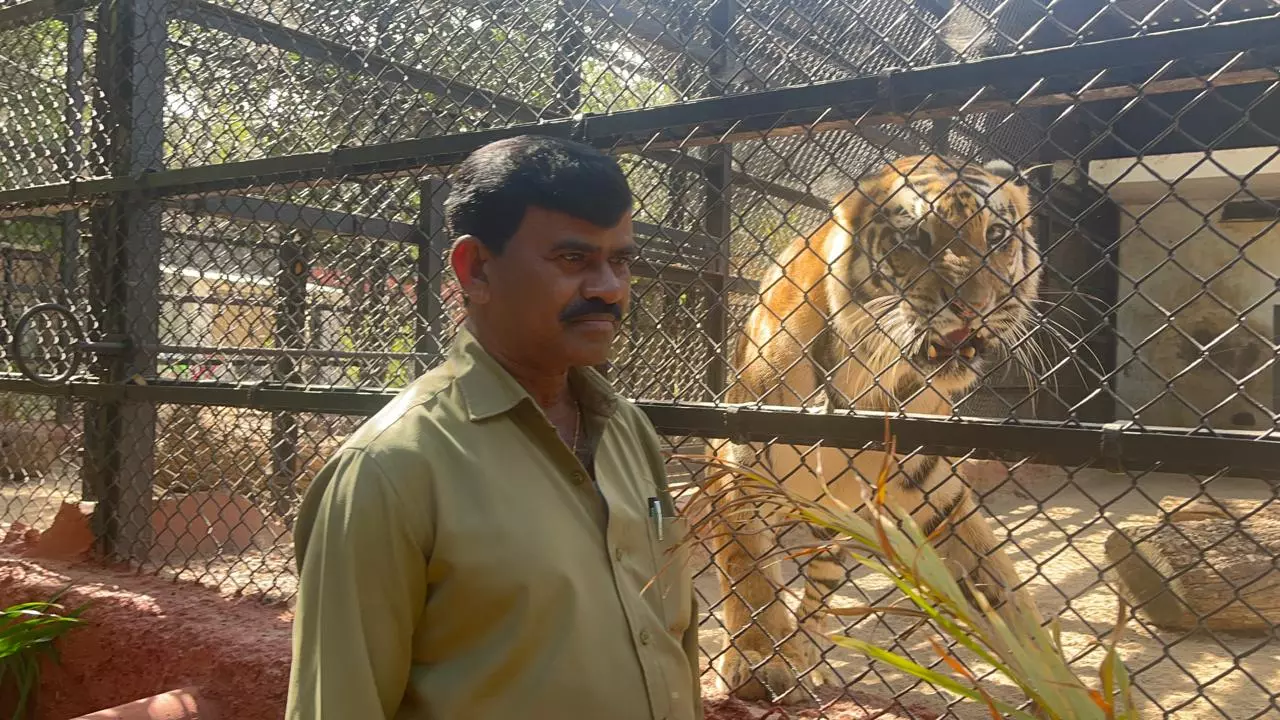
747 676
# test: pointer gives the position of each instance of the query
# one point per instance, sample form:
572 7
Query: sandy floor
1058 524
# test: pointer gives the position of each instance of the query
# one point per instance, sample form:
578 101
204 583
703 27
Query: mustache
592 306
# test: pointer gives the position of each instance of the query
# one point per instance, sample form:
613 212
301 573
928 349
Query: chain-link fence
222 246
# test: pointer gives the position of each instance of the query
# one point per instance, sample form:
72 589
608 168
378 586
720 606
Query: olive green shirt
457 562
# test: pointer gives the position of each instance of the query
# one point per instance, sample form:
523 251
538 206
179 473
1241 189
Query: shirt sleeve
362 587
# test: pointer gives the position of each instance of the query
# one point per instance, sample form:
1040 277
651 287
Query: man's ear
469 260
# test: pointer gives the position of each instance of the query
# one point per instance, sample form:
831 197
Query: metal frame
911 94
719 118
126 191
124 271
1119 447
1116 446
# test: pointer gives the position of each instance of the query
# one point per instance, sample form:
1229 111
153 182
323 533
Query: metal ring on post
77 347
1110 445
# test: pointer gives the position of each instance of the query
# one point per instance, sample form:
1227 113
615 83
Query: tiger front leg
964 538
764 651
971 549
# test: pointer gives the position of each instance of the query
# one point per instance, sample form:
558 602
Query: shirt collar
489 390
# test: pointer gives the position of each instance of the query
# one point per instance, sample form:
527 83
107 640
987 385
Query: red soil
834 706
147 636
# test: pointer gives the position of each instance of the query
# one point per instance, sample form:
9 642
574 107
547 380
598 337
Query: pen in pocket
655 512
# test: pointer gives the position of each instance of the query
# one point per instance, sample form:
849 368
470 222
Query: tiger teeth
968 352
933 351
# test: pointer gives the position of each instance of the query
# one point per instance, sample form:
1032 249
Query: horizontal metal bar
289 214
260 210
728 118
257 29
281 213
250 396
32 11
674 275
24 288
343 223
263 352
687 163
217 17
693 240
164 359
749 114
1116 446
1250 211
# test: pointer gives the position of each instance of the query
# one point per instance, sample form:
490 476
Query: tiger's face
951 267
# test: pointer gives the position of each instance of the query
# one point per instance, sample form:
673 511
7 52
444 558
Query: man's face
556 294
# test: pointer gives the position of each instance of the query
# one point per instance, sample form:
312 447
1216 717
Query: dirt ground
1057 523
147 636
833 706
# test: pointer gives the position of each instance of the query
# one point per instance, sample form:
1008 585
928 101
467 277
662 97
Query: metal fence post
125 270
433 240
375 326
68 260
294 267
568 73
717 221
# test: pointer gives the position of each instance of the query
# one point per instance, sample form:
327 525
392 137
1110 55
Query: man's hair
495 185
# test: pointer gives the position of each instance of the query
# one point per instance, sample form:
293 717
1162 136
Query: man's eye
573 257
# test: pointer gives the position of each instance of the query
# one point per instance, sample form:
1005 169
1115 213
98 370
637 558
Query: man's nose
609 284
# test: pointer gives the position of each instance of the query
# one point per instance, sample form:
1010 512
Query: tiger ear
1002 168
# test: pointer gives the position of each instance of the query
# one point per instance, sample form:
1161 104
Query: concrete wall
1197 294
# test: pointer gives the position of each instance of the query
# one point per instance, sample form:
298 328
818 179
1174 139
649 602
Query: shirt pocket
672 553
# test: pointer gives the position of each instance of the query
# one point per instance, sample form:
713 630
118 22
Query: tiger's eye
996 234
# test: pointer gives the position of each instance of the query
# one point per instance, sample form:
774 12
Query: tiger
920 276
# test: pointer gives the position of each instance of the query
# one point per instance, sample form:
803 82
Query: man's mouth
961 342
594 320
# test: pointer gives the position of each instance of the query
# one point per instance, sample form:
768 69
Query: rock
181 704
15 533
70 536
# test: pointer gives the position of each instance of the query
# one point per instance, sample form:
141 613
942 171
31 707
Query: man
483 547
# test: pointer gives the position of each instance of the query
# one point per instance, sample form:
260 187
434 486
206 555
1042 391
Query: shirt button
617 553
644 637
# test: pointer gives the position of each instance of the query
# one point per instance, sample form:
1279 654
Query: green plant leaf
28 630
886 539
930 676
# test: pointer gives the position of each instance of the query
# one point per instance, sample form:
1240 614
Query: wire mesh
250 194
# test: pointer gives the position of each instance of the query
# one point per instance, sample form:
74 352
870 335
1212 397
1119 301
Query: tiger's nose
961 308
968 310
